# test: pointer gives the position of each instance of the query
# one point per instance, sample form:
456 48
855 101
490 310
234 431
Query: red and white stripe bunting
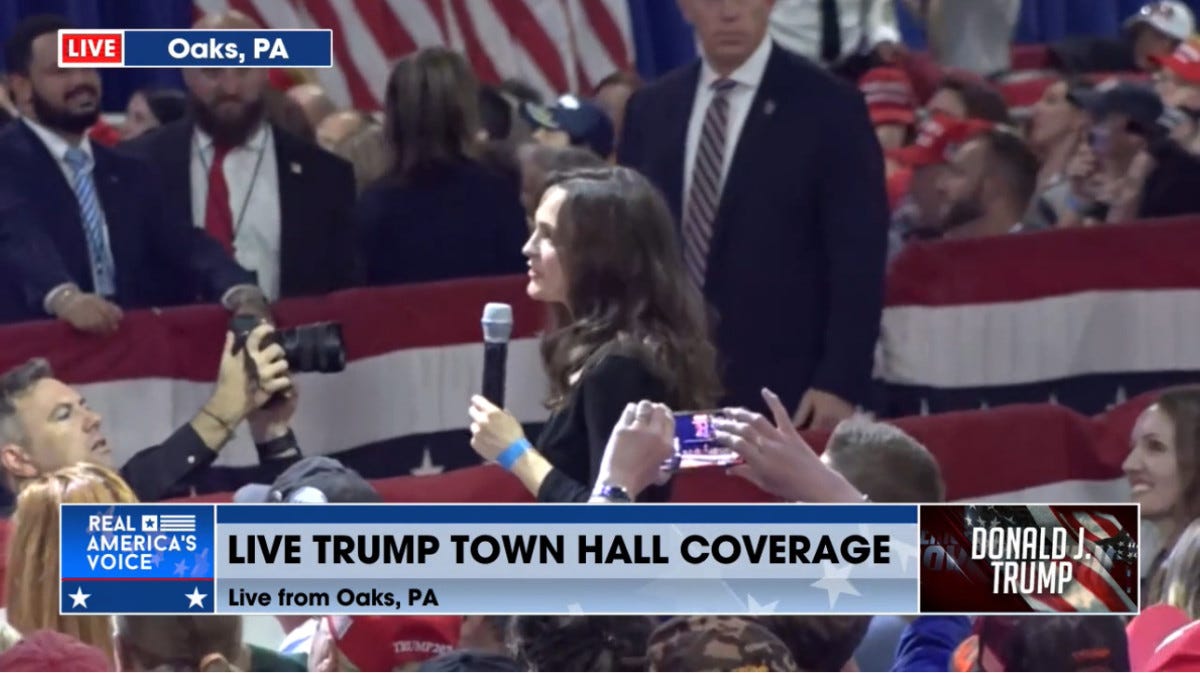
558 46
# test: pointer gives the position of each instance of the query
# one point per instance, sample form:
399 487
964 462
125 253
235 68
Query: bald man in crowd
311 98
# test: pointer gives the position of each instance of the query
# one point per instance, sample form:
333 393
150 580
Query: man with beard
92 236
987 186
280 204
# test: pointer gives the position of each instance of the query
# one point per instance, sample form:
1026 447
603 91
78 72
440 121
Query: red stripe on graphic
1099 588
137 579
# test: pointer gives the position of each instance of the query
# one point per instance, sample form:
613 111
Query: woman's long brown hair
432 112
627 291
31 584
1182 406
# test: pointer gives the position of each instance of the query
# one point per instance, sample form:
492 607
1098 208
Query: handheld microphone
497 328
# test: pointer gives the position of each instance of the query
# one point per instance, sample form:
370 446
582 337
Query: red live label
90 48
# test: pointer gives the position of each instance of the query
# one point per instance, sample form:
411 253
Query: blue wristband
513 453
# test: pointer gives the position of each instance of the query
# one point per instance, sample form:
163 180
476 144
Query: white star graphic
756 608
427 467
835 583
79 599
905 552
195 599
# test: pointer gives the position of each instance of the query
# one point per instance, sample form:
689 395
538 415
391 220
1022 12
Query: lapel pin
296 168
769 107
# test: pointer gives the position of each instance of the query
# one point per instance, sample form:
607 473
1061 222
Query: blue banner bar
568 514
136 597
228 49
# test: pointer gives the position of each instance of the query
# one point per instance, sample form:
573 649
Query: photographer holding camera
46 425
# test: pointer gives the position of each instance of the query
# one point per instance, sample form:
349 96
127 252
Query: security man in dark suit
280 204
773 169
93 235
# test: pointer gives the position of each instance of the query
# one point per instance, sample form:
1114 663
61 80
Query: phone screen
694 441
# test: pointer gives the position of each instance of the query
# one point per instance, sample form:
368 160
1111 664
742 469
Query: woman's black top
461 221
575 435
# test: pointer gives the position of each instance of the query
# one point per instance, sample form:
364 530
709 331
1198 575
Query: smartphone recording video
695 445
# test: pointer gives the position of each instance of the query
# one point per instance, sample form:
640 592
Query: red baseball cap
1149 629
889 95
374 643
1184 62
937 137
1179 651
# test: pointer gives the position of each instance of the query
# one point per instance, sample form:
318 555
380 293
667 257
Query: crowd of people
718 237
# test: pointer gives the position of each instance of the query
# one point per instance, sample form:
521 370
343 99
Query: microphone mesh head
497 322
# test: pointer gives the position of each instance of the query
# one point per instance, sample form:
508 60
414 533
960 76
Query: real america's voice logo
115 542
136 559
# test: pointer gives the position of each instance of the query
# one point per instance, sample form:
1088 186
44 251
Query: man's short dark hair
18 50
884 462
14 384
980 100
1012 160
623 77
495 113
521 90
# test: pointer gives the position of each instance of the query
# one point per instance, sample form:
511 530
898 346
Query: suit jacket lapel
676 118
292 203
754 136
42 163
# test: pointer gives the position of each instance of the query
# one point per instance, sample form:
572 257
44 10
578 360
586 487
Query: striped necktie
704 195
104 272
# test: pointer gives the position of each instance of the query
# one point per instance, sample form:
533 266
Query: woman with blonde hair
1181 573
32 574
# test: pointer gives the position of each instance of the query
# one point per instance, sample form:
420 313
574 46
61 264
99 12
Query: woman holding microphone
626 324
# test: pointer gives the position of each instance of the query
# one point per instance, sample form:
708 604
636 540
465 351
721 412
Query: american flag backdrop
558 46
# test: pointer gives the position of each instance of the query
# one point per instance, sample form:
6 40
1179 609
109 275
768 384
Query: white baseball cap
1169 17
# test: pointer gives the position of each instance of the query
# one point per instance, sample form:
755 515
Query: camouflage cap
716 644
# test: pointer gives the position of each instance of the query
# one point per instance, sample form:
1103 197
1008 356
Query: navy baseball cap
1137 101
581 119
315 479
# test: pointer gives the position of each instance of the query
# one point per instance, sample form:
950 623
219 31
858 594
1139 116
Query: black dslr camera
308 348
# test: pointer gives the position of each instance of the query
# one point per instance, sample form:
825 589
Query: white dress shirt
253 201
58 149
748 76
796 25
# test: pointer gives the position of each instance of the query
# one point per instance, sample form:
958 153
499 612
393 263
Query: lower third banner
136 559
558 559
